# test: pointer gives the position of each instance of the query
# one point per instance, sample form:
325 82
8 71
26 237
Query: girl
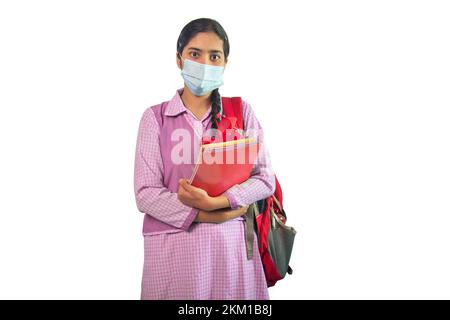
195 244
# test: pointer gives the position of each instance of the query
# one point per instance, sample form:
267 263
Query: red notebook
222 165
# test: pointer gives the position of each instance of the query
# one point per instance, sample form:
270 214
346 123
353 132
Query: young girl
195 244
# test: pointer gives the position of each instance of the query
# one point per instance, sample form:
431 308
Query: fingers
185 187
244 209
188 187
182 182
181 185
183 194
185 184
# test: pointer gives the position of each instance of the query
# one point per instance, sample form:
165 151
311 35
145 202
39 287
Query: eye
215 57
194 54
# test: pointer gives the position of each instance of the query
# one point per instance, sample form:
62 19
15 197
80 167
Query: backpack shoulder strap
232 107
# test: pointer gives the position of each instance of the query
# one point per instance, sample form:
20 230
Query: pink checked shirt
156 176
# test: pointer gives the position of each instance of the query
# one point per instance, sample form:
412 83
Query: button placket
198 128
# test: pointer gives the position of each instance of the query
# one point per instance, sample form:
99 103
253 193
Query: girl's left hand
194 197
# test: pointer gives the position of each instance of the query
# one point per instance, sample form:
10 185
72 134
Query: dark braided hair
189 31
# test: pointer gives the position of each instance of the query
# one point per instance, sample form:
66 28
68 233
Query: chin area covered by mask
201 78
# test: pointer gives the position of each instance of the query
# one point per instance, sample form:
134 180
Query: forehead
206 41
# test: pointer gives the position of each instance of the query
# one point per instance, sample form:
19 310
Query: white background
353 97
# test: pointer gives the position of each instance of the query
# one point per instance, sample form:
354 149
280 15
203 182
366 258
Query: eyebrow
210 51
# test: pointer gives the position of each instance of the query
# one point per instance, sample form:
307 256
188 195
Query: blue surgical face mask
201 78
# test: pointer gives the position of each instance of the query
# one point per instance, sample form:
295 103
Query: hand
194 197
199 198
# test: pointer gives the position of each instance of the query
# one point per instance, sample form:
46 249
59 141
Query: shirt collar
176 106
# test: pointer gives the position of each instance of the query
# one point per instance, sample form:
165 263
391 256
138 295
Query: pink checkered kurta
186 259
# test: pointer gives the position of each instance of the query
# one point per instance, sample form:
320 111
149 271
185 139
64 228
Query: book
221 165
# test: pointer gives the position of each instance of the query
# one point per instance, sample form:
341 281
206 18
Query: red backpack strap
278 192
232 107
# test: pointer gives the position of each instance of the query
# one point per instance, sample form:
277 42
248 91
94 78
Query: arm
261 183
152 197
219 216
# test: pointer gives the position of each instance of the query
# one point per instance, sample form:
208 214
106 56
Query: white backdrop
353 97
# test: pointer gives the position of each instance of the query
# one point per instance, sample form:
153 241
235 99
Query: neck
197 105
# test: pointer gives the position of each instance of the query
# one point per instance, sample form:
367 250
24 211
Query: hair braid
215 108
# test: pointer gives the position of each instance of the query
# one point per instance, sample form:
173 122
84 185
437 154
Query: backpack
266 216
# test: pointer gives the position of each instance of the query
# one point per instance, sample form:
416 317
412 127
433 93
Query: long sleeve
152 197
261 183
